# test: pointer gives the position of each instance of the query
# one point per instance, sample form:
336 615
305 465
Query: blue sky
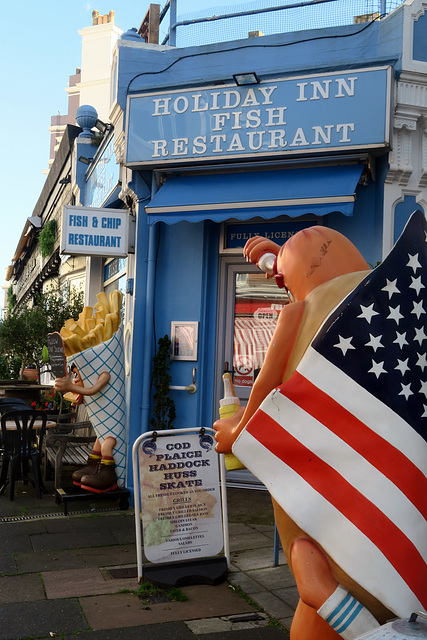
41 48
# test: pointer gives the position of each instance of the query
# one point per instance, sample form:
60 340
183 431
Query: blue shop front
264 136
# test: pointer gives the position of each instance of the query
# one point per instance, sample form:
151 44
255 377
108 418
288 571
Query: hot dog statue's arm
271 375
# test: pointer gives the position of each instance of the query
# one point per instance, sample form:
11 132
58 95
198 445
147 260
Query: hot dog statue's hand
257 247
65 384
227 430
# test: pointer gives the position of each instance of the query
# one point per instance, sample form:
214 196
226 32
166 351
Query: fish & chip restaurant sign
93 231
180 503
286 116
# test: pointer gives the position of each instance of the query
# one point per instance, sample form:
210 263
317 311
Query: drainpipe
172 23
153 234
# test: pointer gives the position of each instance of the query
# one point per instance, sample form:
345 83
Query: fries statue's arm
64 384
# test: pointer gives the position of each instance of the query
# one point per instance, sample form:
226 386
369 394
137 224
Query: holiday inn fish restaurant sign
286 116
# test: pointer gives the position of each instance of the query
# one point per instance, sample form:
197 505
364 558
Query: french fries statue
93 346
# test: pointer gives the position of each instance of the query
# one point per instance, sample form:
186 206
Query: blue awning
250 194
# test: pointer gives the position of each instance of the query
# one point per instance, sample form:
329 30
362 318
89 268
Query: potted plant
23 332
47 238
164 411
52 402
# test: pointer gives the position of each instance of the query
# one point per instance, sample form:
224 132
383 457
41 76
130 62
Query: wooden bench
69 443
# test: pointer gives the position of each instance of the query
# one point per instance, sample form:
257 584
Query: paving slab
286 622
7 563
273 577
166 631
249 540
16 543
253 559
22 588
72 539
49 560
260 633
204 601
228 623
90 522
239 528
273 605
108 556
75 558
289 595
82 582
268 529
41 618
28 527
243 580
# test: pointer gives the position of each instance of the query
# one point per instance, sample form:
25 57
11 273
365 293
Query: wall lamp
85 160
35 221
246 78
103 127
65 180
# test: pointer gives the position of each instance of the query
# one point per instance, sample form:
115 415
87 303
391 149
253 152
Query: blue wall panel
402 213
186 291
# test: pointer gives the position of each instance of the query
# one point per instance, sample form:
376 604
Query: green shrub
164 407
47 238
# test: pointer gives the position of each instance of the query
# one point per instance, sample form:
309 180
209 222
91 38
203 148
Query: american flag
342 445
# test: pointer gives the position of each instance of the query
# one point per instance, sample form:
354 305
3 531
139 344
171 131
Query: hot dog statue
336 426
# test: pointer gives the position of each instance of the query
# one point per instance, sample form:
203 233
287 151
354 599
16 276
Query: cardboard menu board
180 497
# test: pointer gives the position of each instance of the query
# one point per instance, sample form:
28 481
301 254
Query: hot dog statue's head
313 256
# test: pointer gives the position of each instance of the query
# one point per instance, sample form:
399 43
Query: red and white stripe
251 339
351 473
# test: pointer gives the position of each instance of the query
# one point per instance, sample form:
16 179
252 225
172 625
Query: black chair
12 404
23 432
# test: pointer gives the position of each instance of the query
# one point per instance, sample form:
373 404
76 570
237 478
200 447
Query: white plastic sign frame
179 491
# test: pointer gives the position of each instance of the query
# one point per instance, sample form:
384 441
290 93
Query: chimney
105 19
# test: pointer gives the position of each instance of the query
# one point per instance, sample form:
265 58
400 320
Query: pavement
74 576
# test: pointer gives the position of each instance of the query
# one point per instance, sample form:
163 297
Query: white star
422 360
395 314
416 284
390 288
425 411
344 344
374 342
377 368
418 309
402 366
406 391
423 388
368 312
420 336
400 339
413 262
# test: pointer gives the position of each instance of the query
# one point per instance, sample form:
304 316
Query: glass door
249 307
